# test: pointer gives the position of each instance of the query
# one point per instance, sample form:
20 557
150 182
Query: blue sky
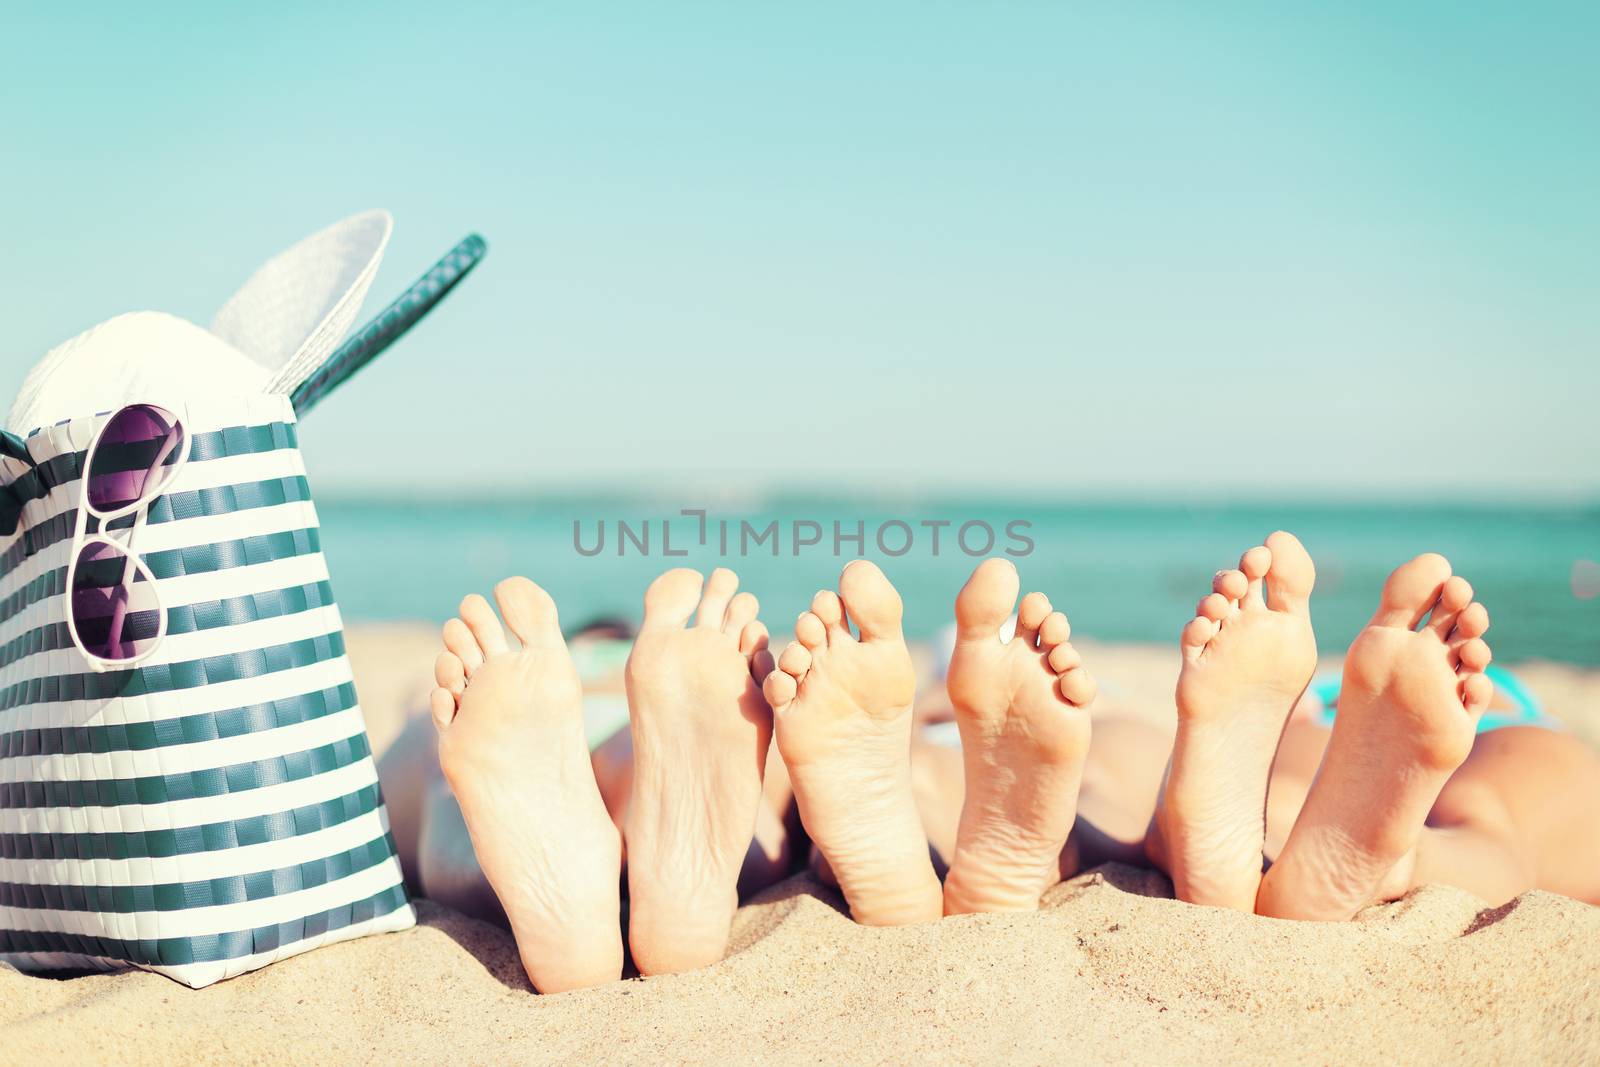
1128 250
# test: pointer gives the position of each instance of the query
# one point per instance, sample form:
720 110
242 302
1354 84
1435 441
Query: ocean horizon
1126 571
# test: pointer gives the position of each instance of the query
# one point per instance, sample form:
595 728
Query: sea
1126 572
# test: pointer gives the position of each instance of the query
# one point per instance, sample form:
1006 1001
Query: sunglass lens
137 455
114 611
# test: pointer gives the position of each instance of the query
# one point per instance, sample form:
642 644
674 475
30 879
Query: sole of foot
1248 655
1021 709
842 714
701 730
512 747
1407 718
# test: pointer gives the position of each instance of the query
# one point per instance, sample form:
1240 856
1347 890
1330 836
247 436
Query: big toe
1291 576
529 612
985 602
871 601
672 598
1412 590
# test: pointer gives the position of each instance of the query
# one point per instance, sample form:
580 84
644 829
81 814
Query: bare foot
1024 735
701 730
842 711
512 748
1247 656
1407 718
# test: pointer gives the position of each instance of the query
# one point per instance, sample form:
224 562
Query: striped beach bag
186 784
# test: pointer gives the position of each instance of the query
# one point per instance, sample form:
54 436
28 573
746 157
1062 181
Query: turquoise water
1122 572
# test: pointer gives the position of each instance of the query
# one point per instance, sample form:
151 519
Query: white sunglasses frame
81 538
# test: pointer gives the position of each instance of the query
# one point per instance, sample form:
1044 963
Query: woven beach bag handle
11 447
389 324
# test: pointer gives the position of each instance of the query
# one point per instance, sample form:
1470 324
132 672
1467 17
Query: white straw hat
275 331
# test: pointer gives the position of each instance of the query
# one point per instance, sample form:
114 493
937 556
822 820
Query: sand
1111 969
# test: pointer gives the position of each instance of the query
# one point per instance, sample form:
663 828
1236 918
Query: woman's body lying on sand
1402 791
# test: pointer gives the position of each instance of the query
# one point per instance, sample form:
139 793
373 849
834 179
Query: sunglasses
114 613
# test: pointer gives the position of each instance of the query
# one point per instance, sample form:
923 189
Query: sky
1146 250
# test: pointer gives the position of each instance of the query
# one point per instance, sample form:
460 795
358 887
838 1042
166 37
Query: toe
1230 584
1195 636
1078 687
1054 630
1063 658
1453 597
1474 654
985 602
1472 622
449 674
529 612
871 601
714 601
809 631
1215 606
1412 590
742 611
459 639
1254 565
442 706
779 689
753 637
1030 616
763 666
480 619
671 599
753 644
1291 576
1476 692
830 612
795 661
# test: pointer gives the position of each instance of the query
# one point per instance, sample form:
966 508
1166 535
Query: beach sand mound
1111 969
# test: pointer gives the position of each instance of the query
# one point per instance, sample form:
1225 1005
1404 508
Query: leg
938 781
1121 783
1247 657
430 834
449 868
406 770
1522 813
1407 719
842 715
701 732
